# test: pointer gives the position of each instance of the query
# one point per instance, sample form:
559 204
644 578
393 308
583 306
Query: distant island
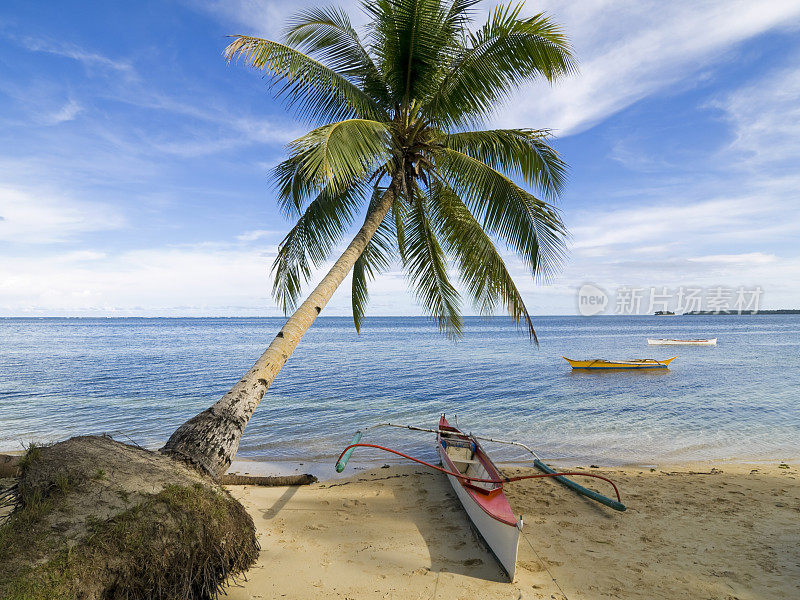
780 311
664 313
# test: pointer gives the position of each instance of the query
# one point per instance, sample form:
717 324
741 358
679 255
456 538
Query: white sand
399 533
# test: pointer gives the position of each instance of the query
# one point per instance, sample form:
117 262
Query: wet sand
724 531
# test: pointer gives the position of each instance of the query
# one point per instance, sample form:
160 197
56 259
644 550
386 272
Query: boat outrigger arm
537 462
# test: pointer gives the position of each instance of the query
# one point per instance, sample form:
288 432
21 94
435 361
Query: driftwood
275 481
9 465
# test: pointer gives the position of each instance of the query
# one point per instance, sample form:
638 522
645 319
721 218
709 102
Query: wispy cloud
192 280
43 216
68 112
228 133
87 58
257 234
663 221
749 258
150 148
765 117
266 18
629 50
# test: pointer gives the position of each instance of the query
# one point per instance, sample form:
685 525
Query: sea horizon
765 312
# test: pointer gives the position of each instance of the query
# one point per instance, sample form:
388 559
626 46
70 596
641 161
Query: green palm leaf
339 154
532 227
311 240
483 271
398 108
427 267
317 91
292 187
498 58
328 32
412 39
516 152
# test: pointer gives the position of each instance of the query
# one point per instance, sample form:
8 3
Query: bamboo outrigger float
478 484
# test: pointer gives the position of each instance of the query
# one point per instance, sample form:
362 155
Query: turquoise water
138 379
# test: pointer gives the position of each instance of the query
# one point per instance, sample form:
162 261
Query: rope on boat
426 430
461 476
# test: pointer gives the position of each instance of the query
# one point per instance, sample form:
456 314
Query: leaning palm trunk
399 107
210 439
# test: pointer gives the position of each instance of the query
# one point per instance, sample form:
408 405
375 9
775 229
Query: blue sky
134 162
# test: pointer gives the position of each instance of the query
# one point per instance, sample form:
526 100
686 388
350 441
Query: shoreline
728 531
325 471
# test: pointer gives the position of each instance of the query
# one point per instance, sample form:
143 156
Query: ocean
137 379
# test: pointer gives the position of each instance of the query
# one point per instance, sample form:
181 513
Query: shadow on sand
453 543
273 510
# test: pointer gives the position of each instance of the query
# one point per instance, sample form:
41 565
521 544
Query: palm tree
396 115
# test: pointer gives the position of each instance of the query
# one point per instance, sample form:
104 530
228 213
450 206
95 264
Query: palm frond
376 258
483 271
317 91
339 154
328 33
506 52
426 265
398 103
412 39
530 226
460 13
292 187
522 152
311 240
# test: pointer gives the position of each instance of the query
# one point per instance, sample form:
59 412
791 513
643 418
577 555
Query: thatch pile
97 519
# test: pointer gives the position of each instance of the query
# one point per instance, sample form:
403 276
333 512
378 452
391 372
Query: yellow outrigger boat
639 363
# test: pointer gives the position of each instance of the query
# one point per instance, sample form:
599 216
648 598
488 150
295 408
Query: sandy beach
713 531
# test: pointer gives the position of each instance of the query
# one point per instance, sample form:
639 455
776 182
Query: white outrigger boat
676 342
484 501
478 484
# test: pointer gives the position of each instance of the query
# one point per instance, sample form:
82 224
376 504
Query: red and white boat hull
485 504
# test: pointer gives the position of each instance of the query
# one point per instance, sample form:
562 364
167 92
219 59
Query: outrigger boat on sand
485 502
478 484
672 342
637 363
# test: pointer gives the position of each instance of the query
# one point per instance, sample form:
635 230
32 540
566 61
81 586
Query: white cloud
85 57
228 133
198 280
749 258
671 236
79 256
662 221
765 117
629 50
68 112
191 281
257 234
44 217
267 18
